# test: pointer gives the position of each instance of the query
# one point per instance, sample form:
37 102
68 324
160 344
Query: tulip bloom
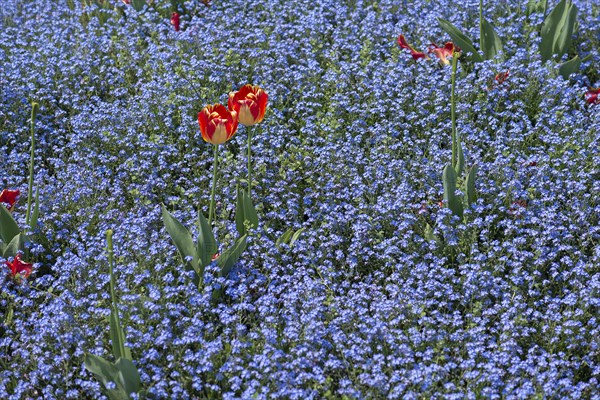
217 124
591 96
19 267
443 52
404 45
175 21
9 197
502 77
250 103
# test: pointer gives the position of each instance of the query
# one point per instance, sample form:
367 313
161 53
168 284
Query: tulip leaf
460 39
536 6
449 181
36 209
296 236
230 256
128 375
106 372
557 30
15 245
285 237
569 67
458 156
490 41
244 212
470 186
138 5
206 246
182 239
8 227
117 336
429 236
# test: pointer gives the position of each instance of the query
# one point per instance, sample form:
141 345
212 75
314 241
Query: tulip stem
109 250
211 210
455 56
249 129
34 109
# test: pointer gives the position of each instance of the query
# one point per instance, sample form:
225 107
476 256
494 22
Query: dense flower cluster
501 305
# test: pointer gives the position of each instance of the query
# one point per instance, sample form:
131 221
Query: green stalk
455 56
481 25
34 109
249 129
109 249
211 210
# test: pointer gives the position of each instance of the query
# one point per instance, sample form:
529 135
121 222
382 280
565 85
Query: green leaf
230 256
8 227
244 211
449 181
569 67
429 236
128 376
460 39
460 157
490 41
285 238
182 239
36 209
206 246
138 5
104 370
296 236
17 243
117 336
536 6
470 186
557 30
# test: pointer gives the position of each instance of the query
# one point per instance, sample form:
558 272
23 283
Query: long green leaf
104 370
460 157
182 239
244 211
117 336
128 375
8 227
557 30
569 67
206 246
285 237
296 236
249 211
16 244
449 181
36 209
470 186
490 42
460 39
230 256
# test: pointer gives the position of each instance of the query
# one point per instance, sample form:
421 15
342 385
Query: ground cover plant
412 214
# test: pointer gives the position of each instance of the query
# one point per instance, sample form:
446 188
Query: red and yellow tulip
217 124
250 104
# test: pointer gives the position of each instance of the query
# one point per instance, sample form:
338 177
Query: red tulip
501 77
19 267
591 96
404 45
217 124
175 21
443 52
9 197
250 103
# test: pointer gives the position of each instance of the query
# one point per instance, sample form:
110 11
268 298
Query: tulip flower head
175 21
591 96
217 124
250 104
443 52
19 267
404 45
502 77
9 197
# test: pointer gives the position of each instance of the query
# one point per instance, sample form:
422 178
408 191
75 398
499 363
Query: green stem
481 25
249 161
34 109
211 210
453 108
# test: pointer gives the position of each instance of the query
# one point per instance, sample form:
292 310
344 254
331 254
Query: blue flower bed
365 304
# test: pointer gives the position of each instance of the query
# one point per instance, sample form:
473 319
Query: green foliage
536 6
230 256
471 195
490 42
460 39
183 241
15 245
206 245
245 213
8 227
569 67
453 202
289 237
557 30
